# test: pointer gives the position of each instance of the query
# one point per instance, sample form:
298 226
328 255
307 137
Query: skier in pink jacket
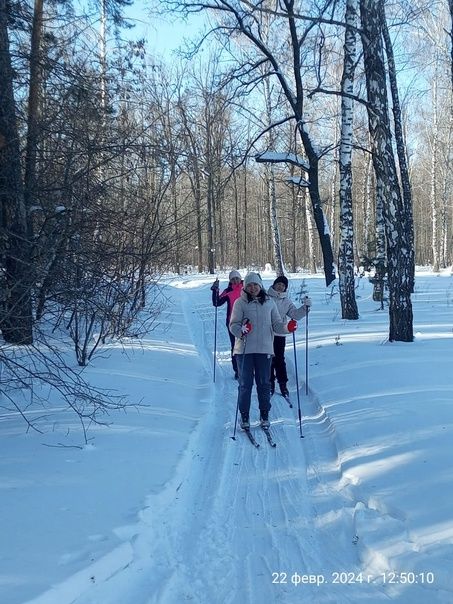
228 297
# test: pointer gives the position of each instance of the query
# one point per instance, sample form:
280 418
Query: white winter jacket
286 307
265 320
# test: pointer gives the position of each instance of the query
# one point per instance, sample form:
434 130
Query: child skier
228 296
253 322
286 308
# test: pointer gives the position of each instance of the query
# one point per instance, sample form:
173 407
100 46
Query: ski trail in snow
261 529
236 546
239 524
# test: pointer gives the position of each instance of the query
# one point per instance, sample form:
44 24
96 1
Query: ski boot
245 422
284 390
264 421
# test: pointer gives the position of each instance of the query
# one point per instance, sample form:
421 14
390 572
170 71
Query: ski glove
215 285
307 301
292 326
246 328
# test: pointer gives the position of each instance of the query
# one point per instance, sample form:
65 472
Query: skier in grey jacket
254 320
286 308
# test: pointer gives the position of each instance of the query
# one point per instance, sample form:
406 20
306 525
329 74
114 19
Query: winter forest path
235 523
326 519
264 518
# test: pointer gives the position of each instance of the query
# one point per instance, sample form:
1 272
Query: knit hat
234 274
282 279
253 278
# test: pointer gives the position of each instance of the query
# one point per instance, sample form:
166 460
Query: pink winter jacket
229 295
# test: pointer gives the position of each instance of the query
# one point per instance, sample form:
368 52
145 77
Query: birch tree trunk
379 252
269 169
310 232
446 198
398 225
236 253
434 176
270 176
346 245
367 207
275 231
334 236
243 223
399 135
211 227
451 48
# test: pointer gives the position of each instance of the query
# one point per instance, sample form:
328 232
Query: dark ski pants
254 366
278 368
233 357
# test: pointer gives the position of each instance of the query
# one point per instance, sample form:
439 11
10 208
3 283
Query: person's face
235 280
253 289
279 287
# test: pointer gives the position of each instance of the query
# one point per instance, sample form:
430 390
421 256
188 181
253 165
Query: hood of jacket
273 293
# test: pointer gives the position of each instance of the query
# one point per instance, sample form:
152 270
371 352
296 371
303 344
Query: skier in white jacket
278 293
254 320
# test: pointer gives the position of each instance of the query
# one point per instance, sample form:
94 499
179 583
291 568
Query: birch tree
398 227
346 246
435 242
270 176
451 47
406 191
379 259
310 232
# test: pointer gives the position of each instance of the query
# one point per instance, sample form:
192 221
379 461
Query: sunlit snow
163 507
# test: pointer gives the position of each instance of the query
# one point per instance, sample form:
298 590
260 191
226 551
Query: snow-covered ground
164 507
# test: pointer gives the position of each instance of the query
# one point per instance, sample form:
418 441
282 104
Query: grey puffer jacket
265 320
286 307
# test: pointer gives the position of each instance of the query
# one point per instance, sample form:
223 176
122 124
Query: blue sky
163 35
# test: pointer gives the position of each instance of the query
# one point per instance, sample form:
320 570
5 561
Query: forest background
309 135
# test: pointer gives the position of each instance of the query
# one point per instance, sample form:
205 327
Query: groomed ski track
320 519
238 524
256 525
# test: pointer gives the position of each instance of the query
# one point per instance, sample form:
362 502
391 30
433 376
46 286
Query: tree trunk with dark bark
398 226
34 100
399 135
16 310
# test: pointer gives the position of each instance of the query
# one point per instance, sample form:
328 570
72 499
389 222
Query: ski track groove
255 515
233 514
262 516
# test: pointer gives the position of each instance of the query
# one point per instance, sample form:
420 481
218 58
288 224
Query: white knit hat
234 274
253 278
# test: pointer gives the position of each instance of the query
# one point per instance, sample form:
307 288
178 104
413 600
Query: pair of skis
266 431
253 440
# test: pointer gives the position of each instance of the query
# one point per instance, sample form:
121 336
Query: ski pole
297 386
215 329
215 343
240 376
306 350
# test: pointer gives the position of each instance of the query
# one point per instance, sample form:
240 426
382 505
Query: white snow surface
163 506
